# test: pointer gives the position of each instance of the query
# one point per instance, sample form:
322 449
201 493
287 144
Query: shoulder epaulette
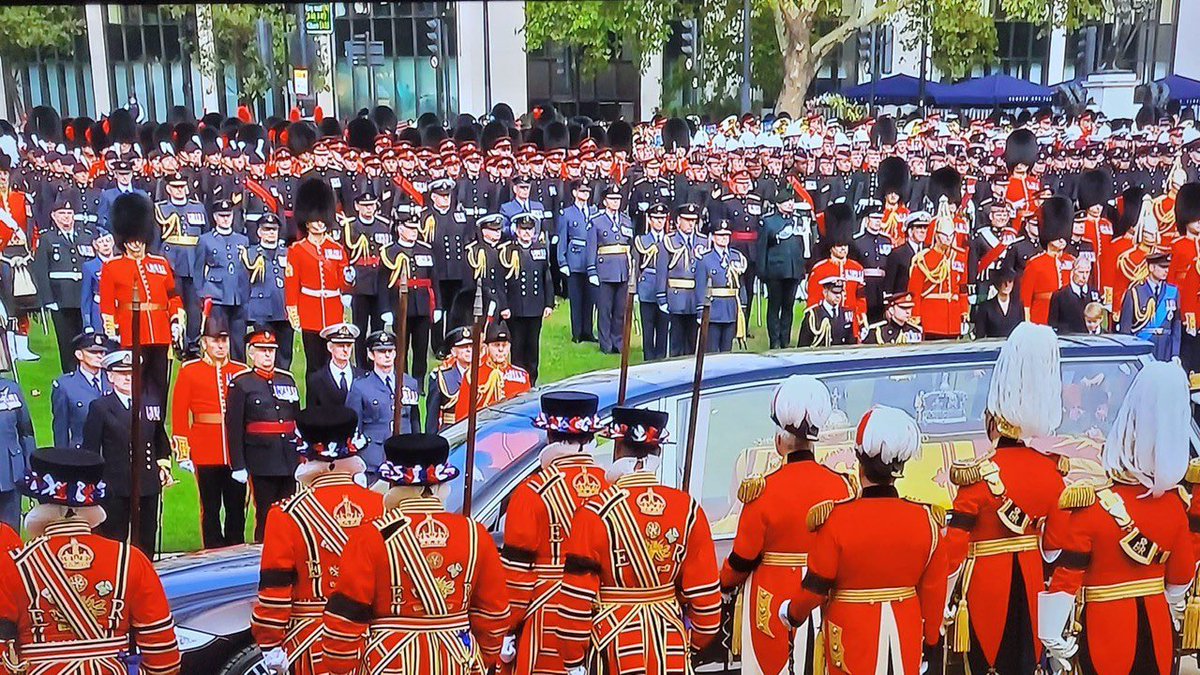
751 488
966 473
819 513
937 514
1077 496
1064 464
1185 495
1192 475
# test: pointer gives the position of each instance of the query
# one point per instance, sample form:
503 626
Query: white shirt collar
125 400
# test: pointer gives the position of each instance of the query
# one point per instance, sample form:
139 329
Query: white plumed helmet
1148 440
1025 395
801 405
889 434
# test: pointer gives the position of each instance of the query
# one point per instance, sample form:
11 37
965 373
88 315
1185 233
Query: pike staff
473 400
701 347
626 334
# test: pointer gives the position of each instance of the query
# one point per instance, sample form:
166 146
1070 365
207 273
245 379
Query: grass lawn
181 523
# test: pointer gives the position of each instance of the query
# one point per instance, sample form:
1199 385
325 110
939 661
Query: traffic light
434 33
688 46
1085 51
864 47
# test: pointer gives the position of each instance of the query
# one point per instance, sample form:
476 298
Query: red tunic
1044 274
314 282
1185 274
1093 556
9 539
1033 483
850 272
1123 264
420 591
1022 193
893 223
1164 214
879 572
1099 231
640 583
160 303
541 511
500 383
301 555
770 552
87 638
198 411
938 284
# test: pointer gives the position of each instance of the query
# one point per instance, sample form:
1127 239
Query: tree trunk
793 27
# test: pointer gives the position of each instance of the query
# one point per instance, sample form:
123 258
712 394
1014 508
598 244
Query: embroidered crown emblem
651 503
431 533
76 556
348 514
586 485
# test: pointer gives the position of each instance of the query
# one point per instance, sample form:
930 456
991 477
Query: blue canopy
996 90
1183 89
894 90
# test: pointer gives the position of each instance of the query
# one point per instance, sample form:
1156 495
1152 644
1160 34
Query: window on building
1024 51
554 75
62 80
149 61
407 79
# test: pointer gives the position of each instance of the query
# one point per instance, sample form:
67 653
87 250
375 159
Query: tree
594 28
31 34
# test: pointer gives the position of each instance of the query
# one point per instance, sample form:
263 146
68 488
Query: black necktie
342 382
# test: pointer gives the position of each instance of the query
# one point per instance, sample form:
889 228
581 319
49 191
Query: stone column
652 87
98 56
210 79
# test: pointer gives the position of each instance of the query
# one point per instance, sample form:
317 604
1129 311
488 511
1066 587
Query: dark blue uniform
221 276
70 397
654 321
375 404
676 271
265 305
722 271
573 227
607 255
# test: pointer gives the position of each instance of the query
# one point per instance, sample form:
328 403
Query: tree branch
837 36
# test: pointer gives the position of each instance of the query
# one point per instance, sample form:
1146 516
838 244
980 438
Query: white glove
565 270
241 476
52 306
783 613
508 652
387 318
1177 602
350 275
664 309
276 660
187 466
785 233
346 301
577 670
1054 614
360 479
593 280
437 315
176 331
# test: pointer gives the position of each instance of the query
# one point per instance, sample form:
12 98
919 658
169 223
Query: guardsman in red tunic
163 317
770 552
938 283
420 590
1093 193
640 587
877 568
1185 274
1164 204
1124 261
838 234
541 512
317 271
304 539
1022 189
499 379
993 534
71 598
1049 270
1127 544
198 435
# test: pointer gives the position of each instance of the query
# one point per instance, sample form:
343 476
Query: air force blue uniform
373 401
265 269
722 271
16 444
69 400
676 272
1152 314
654 321
607 255
573 226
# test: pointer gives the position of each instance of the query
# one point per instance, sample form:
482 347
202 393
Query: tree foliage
27 33
595 28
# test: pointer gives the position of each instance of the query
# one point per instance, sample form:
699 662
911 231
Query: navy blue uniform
654 321
722 271
676 271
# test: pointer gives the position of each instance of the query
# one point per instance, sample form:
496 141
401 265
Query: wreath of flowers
75 493
432 474
331 450
637 433
568 425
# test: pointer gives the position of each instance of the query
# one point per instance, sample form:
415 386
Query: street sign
433 61
300 81
318 18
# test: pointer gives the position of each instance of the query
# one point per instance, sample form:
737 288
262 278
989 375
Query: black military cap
1159 258
176 179
417 459
722 227
525 221
521 179
657 209
442 186
81 472
91 341
223 206
459 337
60 204
688 210
269 221
381 340
612 191
496 332
492 221
367 197
215 326
122 166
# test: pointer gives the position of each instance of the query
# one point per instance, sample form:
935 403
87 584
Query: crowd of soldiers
217 241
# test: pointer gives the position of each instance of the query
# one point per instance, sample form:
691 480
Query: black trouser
316 353
217 489
366 312
556 274
526 334
156 371
285 335
611 297
873 288
1016 654
654 331
720 337
417 329
186 287
781 303
1189 358
747 281
68 323
683 334
267 490
583 304
235 319
116 524
447 290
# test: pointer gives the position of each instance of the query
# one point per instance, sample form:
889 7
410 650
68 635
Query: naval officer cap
340 333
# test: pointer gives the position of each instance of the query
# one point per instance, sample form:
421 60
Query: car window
736 435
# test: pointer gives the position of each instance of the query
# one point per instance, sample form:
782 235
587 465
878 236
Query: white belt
872 272
320 293
73 276
579 242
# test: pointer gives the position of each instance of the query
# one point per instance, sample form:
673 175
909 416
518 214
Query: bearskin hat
249 135
411 136
492 132
432 135
181 134
1058 215
97 137
535 135
385 119
1094 188
503 113
555 136
146 138
329 128
76 132
597 134
945 182
45 123
839 225
179 114
1130 209
1187 206
543 114
676 135
212 119
428 119
574 133
132 219
315 201
468 132
164 138
893 175
883 132
209 140
620 136
1020 148
361 133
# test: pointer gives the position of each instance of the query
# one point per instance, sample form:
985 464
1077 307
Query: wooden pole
401 324
473 398
626 334
701 347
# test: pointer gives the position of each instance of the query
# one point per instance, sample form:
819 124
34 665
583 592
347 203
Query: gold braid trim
257 268
818 514
1077 496
1193 472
